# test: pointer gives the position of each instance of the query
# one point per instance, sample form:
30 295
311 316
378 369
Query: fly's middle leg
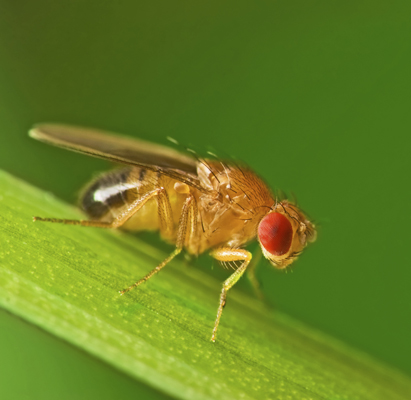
184 230
227 254
165 215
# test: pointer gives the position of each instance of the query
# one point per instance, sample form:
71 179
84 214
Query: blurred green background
314 95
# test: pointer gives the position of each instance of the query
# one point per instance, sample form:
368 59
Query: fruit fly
197 204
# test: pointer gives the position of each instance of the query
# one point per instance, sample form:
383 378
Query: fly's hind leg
227 254
136 205
186 226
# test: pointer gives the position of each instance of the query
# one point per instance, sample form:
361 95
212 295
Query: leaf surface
65 279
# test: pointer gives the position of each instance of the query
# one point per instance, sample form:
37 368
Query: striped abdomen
114 192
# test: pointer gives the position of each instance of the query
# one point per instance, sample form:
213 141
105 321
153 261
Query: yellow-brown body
228 212
197 204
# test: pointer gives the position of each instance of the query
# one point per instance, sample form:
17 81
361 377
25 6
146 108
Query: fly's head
283 233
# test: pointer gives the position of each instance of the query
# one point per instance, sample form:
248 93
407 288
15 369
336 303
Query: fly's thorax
283 233
235 202
235 185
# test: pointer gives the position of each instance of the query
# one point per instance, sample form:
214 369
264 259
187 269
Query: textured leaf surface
66 279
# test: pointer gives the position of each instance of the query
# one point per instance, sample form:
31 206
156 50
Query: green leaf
65 279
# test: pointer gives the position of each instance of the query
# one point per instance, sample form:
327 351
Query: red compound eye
275 233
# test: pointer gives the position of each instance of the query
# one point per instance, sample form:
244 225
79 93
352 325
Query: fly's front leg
119 220
184 228
227 254
252 277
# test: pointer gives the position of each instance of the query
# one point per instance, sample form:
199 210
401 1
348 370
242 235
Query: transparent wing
120 149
